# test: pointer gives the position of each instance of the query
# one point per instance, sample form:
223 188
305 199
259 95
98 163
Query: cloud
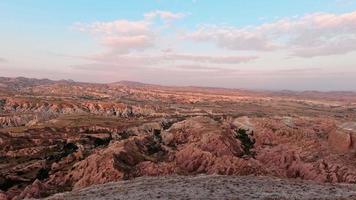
123 36
196 67
210 59
337 47
3 60
127 42
164 15
167 50
103 67
145 59
122 26
123 61
206 69
344 2
233 38
314 71
123 44
311 35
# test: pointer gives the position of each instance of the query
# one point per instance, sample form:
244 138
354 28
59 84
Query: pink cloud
206 69
123 44
115 27
123 39
123 36
141 60
211 59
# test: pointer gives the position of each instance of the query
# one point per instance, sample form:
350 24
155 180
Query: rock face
244 123
349 126
343 139
16 105
33 191
283 162
25 119
3 196
340 141
14 121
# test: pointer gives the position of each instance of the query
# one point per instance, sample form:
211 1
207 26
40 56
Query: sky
255 44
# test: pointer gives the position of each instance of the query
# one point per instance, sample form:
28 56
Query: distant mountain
131 84
21 82
15 84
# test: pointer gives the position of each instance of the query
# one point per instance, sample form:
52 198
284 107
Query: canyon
63 136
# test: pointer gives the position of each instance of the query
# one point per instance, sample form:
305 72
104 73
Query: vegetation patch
246 141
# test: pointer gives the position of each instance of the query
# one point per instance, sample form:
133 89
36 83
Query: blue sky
255 44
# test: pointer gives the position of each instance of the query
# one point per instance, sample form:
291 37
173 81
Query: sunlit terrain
178 99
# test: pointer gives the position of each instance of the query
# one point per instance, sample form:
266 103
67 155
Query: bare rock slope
212 187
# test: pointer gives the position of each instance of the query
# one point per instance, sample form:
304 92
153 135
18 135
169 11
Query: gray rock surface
212 187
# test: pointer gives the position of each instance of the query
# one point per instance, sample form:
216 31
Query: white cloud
164 15
317 34
233 38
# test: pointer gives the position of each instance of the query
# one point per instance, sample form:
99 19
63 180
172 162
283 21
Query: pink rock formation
34 190
340 141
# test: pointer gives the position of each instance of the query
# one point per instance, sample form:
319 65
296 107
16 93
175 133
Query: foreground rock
212 187
343 139
200 145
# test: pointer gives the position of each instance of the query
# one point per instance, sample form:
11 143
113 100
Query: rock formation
63 136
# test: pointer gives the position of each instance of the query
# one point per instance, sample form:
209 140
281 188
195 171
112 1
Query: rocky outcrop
340 141
69 107
35 190
14 121
116 162
25 112
207 149
343 139
284 162
18 120
3 196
